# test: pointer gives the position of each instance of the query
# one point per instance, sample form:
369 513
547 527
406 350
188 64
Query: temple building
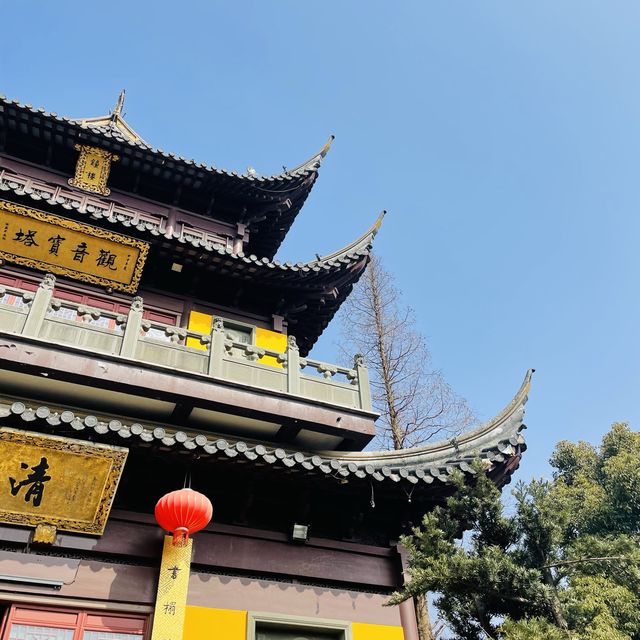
151 341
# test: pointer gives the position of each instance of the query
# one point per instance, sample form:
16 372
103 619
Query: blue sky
503 137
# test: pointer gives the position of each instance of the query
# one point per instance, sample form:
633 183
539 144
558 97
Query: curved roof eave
313 163
497 441
506 427
103 126
363 242
337 260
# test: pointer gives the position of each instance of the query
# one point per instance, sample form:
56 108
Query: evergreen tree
565 564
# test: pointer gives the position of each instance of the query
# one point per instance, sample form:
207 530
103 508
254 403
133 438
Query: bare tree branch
413 399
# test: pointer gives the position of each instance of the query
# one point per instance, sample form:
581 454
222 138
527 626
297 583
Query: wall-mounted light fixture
300 532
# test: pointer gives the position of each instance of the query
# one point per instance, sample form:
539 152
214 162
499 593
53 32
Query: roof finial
117 112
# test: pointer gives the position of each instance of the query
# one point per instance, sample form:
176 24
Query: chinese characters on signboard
173 585
33 483
64 483
92 169
50 243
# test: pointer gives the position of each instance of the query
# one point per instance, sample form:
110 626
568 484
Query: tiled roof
331 277
109 129
97 209
278 198
498 441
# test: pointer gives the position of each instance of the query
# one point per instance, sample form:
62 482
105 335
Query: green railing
42 316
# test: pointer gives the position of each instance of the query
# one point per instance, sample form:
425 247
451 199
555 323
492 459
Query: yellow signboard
173 585
73 249
92 169
57 482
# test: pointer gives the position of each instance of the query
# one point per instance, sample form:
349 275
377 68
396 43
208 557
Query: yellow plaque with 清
92 169
73 249
173 585
57 482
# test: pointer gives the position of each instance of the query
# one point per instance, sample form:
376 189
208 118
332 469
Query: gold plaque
92 169
57 482
73 249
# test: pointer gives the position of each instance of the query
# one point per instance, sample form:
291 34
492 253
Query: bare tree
414 401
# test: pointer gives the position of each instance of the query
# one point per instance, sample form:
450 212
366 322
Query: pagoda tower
150 341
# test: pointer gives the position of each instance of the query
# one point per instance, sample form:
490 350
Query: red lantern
183 512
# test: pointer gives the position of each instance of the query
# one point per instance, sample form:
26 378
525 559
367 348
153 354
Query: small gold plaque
44 534
57 482
49 243
92 169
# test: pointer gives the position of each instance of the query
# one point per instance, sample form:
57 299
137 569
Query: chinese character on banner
80 252
55 244
106 259
28 239
36 479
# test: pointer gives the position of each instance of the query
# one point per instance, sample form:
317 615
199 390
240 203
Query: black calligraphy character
106 259
80 252
55 244
28 239
170 608
91 175
36 479
174 571
95 163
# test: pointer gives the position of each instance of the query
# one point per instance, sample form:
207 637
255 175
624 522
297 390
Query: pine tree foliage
564 563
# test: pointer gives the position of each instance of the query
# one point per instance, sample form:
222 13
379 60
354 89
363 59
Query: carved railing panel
14 307
42 316
83 326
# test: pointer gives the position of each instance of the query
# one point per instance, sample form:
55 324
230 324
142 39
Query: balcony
214 356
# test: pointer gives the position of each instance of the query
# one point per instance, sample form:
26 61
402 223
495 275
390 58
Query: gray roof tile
494 442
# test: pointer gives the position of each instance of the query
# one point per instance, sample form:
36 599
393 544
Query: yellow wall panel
362 631
271 340
202 623
200 322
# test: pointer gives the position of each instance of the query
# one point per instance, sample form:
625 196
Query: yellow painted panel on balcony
273 340
200 322
50 243
202 623
362 631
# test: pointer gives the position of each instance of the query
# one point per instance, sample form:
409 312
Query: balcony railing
42 316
